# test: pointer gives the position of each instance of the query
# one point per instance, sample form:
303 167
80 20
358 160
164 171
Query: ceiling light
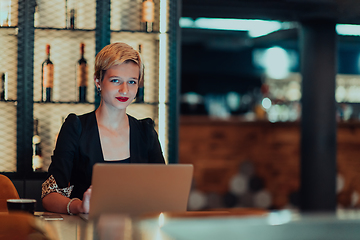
254 27
348 29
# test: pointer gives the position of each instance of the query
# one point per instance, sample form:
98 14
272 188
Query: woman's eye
115 80
132 82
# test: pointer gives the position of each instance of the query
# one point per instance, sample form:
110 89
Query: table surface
221 224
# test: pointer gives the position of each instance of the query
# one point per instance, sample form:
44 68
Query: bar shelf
64 29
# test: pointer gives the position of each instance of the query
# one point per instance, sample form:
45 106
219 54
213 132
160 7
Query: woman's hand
86 200
78 206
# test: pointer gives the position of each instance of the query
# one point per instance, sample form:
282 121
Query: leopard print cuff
50 186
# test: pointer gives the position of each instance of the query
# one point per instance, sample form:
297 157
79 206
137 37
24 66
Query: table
224 225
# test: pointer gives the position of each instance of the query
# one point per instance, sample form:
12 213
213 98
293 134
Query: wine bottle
70 8
72 18
5 13
4 82
140 93
37 161
36 14
82 74
147 15
47 77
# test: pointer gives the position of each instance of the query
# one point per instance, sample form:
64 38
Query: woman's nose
123 89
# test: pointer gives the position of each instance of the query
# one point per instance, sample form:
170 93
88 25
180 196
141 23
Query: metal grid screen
63 29
64 35
8 90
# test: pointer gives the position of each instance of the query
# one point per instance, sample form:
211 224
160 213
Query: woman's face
120 85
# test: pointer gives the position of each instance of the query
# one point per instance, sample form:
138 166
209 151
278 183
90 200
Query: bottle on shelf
36 14
82 74
70 14
72 19
147 15
4 85
47 77
5 13
37 162
140 93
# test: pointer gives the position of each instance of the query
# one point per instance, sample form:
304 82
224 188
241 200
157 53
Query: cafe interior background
223 82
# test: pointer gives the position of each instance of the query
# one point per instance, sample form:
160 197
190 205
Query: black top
126 160
78 148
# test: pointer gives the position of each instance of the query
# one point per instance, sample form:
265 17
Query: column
102 31
318 124
25 62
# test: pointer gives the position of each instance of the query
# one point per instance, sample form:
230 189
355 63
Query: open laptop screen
136 189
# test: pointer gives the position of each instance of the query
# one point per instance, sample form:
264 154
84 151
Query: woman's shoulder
79 121
145 122
143 128
86 118
71 119
73 116
88 115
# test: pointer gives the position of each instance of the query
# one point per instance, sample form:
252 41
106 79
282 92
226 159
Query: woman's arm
55 202
57 185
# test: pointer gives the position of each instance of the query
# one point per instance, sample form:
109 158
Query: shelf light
163 72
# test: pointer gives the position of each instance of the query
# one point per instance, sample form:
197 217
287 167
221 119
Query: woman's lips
122 99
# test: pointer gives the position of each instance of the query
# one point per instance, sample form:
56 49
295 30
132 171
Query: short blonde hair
116 54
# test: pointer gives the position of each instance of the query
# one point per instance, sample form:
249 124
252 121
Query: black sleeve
66 151
155 154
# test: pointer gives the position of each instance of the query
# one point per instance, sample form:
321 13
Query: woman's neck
111 119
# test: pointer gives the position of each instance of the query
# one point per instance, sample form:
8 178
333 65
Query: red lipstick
122 99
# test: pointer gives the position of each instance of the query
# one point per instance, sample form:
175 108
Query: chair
20 226
7 191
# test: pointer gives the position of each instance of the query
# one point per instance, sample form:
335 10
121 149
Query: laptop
136 189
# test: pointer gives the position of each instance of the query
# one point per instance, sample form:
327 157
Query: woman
107 134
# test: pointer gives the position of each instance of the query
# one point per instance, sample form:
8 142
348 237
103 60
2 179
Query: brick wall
218 148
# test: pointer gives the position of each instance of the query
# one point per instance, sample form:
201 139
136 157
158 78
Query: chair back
7 191
20 226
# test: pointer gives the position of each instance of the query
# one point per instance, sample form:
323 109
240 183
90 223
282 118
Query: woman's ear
97 82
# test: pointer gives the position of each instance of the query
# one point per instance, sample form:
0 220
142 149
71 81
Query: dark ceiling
200 73
341 11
